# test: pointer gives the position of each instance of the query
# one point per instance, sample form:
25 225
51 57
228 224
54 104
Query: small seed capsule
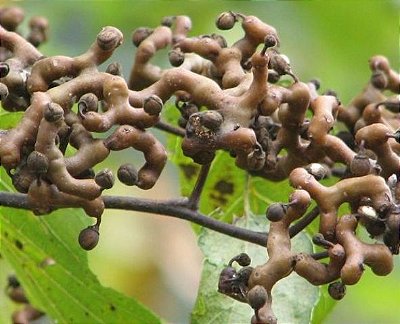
275 212
270 41
104 179
279 63
11 17
114 68
211 119
38 23
53 112
21 181
226 20
37 162
88 102
319 239
225 280
360 165
109 38
176 57
152 105
140 34
128 174
242 259
89 237
337 290
318 171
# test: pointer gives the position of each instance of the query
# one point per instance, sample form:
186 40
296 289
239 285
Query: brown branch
174 208
177 208
304 222
169 128
194 198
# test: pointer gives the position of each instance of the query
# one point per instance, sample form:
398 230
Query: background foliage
331 40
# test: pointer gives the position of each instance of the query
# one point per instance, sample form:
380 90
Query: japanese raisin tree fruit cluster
230 97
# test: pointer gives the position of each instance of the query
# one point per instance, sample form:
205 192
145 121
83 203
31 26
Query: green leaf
213 307
223 193
54 271
323 307
9 120
242 196
229 194
7 307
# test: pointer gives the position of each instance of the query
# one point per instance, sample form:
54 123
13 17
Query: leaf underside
213 307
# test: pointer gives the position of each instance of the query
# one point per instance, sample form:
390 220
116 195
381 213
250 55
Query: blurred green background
156 259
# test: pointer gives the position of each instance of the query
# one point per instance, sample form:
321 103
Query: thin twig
303 222
194 198
165 208
319 255
174 208
170 128
15 200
